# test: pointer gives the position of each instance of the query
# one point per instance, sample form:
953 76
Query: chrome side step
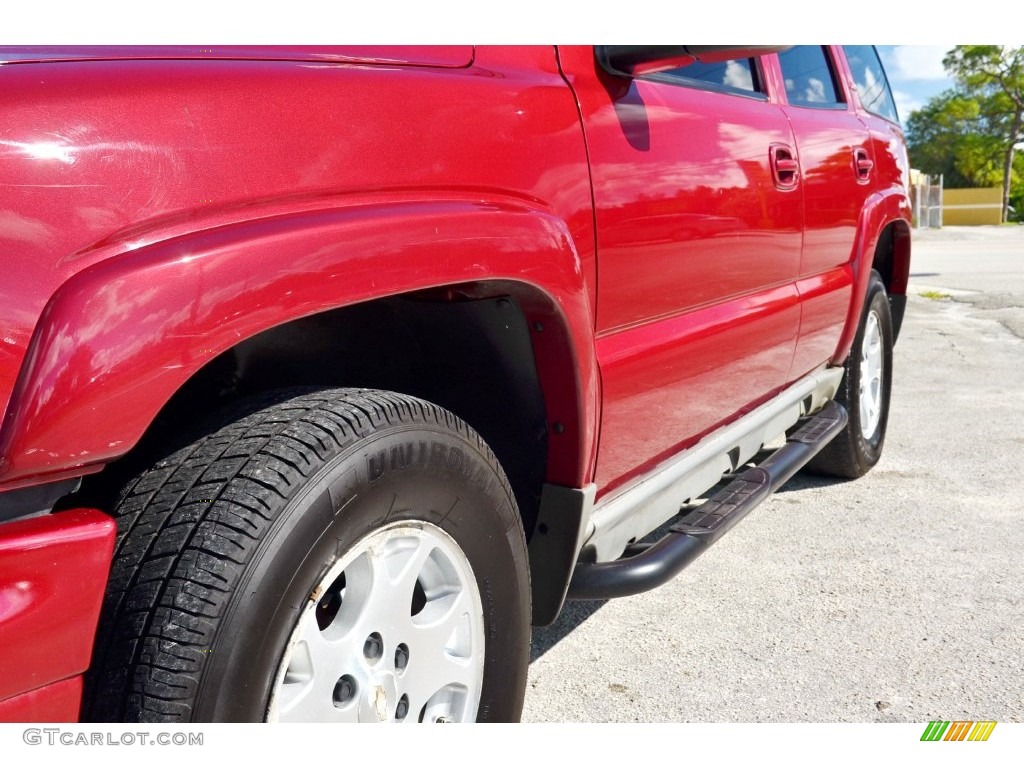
646 503
702 527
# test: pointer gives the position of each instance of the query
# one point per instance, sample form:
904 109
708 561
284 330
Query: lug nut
403 708
373 647
344 691
401 657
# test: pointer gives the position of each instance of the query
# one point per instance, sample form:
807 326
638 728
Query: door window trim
838 86
757 70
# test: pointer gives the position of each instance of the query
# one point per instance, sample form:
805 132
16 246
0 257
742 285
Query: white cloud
738 76
905 104
919 62
815 91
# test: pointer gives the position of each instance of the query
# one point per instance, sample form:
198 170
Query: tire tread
189 525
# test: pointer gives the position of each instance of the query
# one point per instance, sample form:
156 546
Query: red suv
329 371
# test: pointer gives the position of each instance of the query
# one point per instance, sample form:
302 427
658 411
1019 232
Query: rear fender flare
880 210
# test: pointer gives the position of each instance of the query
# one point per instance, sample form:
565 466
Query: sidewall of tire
447 482
851 455
867 452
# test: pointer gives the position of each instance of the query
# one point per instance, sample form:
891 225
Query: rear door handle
862 164
785 168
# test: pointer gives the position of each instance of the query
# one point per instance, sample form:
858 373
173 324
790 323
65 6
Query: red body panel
418 55
698 247
53 572
182 205
55 703
832 196
724 282
651 375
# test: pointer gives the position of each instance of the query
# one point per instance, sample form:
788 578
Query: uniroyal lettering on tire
339 555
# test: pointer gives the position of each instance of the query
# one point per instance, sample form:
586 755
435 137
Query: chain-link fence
926 200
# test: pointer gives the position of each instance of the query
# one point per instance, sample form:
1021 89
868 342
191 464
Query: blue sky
915 74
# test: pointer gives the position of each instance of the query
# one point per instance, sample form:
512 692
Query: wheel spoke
444 672
380 593
324 653
442 648
405 560
307 691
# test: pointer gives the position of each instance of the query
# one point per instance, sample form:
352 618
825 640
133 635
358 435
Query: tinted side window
872 84
735 75
810 78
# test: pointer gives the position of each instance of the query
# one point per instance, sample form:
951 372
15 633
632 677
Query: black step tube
667 557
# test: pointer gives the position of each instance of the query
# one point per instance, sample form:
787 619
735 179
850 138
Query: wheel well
467 350
892 262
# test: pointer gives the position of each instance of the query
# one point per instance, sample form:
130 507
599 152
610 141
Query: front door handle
785 168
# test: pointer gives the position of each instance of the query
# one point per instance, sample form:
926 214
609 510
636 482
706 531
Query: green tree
949 136
993 77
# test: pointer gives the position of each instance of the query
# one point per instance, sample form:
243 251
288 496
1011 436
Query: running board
693 534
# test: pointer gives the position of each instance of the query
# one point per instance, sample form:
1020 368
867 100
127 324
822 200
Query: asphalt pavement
898 597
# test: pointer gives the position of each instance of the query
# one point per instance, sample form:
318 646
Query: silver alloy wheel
872 362
394 632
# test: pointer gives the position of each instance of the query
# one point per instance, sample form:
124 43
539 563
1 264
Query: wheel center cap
378 703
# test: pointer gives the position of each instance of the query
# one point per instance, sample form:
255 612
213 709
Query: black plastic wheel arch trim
35 499
693 534
897 308
555 545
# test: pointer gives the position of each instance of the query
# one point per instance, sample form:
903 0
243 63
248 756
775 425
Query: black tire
858 447
222 544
